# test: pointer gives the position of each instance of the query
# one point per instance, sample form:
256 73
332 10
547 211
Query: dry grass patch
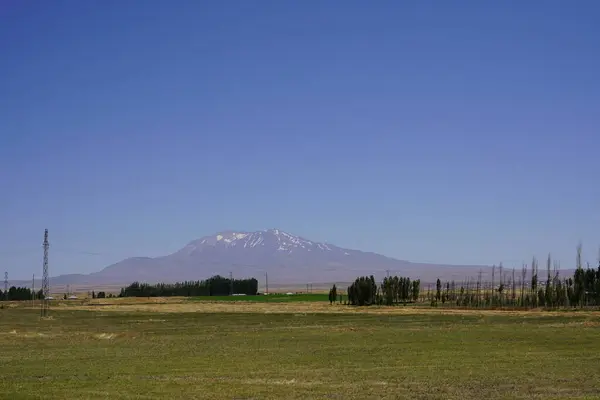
181 305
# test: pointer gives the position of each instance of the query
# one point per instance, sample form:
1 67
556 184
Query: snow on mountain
285 242
285 257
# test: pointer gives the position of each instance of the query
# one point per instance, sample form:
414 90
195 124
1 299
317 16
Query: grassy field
275 298
298 350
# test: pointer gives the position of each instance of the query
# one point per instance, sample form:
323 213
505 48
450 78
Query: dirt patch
591 324
141 321
161 305
105 336
26 335
585 324
287 382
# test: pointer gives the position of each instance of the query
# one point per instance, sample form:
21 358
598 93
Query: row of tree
393 290
524 291
214 286
400 290
20 293
506 289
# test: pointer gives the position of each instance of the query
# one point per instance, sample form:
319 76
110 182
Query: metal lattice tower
45 280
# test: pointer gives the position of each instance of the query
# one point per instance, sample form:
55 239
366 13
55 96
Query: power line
82 252
27 251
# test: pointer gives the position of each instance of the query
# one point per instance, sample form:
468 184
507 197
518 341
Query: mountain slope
285 257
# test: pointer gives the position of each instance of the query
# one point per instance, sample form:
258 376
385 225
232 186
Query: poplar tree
416 289
578 279
332 294
534 282
549 293
523 278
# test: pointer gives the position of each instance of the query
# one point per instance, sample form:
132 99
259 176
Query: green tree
534 282
214 286
579 280
332 294
16 294
597 285
388 290
416 290
362 292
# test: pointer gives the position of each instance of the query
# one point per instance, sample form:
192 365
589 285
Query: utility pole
33 291
45 279
231 283
387 272
267 282
6 285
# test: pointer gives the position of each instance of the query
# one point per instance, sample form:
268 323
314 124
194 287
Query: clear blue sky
444 131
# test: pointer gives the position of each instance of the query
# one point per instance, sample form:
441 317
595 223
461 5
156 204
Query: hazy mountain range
286 258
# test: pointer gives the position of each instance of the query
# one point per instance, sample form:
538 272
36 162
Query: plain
299 350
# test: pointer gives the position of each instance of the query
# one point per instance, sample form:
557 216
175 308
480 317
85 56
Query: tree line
214 286
20 293
526 289
393 290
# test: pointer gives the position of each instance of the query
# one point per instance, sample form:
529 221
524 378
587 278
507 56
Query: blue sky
436 131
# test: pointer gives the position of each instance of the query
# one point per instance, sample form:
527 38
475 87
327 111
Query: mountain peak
273 239
287 258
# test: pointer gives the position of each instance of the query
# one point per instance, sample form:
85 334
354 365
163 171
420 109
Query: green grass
274 298
102 355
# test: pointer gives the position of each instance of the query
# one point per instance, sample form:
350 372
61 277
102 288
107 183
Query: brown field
184 305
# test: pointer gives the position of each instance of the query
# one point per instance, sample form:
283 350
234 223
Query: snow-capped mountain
285 257
270 238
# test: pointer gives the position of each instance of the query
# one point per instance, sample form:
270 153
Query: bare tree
479 289
514 293
523 278
493 284
501 285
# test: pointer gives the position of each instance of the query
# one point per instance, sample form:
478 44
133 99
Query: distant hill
286 258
